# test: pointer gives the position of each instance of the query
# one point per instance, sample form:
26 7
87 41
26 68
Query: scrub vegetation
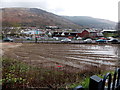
21 75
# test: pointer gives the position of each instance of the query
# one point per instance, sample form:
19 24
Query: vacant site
60 64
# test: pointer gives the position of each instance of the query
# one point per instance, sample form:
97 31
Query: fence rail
109 82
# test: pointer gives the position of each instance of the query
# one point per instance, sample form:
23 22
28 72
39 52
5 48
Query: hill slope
33 17
91 22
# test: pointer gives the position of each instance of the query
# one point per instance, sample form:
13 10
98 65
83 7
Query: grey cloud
57 10
42 5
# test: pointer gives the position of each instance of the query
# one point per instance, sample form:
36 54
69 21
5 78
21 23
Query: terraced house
110 33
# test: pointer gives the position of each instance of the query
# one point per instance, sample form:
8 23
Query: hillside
91 22
34 17
40 18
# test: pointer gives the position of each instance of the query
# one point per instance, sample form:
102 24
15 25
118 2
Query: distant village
54 31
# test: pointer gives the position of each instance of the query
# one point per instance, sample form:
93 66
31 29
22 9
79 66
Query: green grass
110 34
85 82
0 37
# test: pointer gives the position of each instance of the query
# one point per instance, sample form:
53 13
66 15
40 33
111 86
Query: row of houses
85 33
54 31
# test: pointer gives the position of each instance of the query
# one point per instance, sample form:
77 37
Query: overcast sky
105 9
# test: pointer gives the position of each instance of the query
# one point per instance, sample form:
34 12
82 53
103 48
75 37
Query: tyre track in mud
66 55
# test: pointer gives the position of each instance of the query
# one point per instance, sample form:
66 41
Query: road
59 42
72 42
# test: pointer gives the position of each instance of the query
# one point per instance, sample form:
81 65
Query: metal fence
109 82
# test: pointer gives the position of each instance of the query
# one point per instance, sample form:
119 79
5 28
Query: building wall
85 34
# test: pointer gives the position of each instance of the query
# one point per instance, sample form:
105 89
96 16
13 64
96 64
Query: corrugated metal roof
108 30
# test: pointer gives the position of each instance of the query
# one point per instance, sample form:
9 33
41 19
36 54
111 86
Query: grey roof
108 30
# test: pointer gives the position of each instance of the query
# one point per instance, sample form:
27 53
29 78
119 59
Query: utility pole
35 39
36 36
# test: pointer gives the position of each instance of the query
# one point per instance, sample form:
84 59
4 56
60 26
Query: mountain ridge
91 22
34 17
41 18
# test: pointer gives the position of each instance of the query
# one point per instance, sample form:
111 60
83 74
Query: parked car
56 38
101 41
109 38
113 40
66 40
103 38
88 40
28 38
7 39
79 38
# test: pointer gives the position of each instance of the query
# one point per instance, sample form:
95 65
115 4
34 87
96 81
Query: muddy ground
4 47
68 57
